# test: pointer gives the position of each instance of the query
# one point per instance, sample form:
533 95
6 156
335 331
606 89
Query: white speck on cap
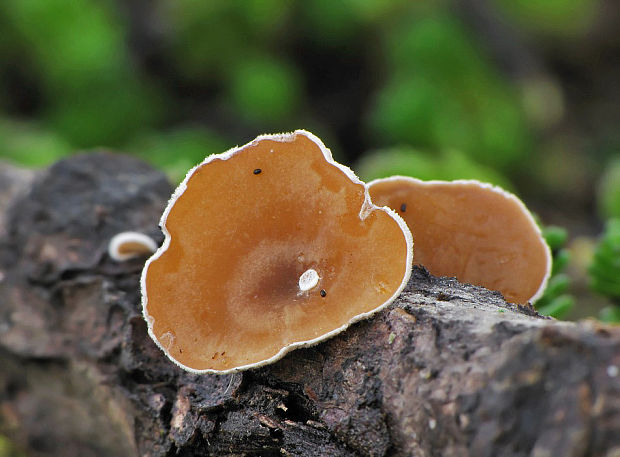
308 280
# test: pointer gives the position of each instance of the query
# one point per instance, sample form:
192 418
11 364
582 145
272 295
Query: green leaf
604 271
560 260
610 314
558 307
555 236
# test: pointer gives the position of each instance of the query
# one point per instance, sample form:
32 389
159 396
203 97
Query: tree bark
449 369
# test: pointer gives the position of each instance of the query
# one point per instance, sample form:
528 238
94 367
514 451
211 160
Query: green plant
610 314
9 449
265 90
77 49
207 40
30 145
604 271
178 150
558 17
556 301
447 165
441 92
609 191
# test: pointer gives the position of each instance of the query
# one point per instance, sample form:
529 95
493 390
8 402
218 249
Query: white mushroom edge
498 190
115 246
367 207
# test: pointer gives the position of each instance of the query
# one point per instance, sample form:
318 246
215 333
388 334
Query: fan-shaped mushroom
127 245
268 247
473 231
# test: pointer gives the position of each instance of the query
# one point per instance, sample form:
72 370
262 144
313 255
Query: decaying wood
448 369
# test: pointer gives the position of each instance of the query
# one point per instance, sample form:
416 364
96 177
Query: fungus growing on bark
269 247
127 245
473 231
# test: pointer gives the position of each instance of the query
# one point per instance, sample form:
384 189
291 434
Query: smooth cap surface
226 291
473 231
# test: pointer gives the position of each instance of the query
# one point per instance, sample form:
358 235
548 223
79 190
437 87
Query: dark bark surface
447 370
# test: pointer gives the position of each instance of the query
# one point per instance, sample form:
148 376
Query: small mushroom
127 245
473 231
269 247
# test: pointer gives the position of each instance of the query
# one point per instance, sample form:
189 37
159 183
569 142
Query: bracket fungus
128 245
269 247
473 231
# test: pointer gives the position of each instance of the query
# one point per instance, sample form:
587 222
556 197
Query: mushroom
473 231
269 247
127 245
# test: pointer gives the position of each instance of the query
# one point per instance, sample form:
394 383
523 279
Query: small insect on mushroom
128 245
241 278
473 231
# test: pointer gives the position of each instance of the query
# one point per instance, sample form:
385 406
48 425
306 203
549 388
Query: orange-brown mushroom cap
269 247
473 231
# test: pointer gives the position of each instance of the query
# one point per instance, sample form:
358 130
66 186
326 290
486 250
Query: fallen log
448 369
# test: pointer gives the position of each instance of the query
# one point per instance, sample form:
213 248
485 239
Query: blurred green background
521 93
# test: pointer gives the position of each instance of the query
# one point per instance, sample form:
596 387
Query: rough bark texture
447 370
